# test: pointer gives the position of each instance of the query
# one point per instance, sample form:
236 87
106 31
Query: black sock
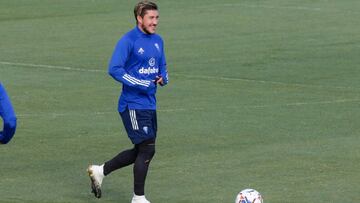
145 153
123 159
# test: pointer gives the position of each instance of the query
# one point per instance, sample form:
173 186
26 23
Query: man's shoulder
157 37
130 35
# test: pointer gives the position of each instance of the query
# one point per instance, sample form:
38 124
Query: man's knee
151 149
148 151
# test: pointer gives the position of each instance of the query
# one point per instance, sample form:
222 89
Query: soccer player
8 115
138 62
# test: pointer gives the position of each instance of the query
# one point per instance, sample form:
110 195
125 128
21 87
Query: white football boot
139 199
96 174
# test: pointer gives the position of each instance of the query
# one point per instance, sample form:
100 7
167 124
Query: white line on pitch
50 67
258 81
306 103
68 68
306 8
275 7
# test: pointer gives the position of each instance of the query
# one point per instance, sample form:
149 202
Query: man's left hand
159 80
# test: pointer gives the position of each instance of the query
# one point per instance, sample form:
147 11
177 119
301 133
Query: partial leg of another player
8 115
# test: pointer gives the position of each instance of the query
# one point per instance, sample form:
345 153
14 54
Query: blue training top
136 61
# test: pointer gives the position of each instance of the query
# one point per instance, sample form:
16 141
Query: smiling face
149 21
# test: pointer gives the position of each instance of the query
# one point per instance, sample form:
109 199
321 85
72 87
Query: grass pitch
262 94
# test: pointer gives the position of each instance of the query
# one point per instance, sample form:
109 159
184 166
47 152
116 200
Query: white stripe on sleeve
133 80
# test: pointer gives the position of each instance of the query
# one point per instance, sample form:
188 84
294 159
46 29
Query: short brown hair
143 6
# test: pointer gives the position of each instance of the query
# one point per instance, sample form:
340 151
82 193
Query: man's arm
117 67
163 77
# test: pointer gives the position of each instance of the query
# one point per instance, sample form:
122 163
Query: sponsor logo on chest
148 70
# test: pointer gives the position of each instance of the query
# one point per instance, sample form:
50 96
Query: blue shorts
140 125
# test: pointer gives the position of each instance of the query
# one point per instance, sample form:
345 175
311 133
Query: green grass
263 94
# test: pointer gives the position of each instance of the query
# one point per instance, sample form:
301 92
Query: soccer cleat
139 199
96 177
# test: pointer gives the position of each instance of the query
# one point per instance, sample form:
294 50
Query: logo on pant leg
146 129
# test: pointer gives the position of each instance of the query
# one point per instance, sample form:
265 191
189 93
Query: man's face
149 22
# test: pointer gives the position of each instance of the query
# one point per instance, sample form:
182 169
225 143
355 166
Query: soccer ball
248 196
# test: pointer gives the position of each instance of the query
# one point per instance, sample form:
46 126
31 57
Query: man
8 115
138 62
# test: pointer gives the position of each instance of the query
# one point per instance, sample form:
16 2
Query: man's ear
139 19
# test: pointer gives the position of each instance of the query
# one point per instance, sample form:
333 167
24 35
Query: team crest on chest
152 62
